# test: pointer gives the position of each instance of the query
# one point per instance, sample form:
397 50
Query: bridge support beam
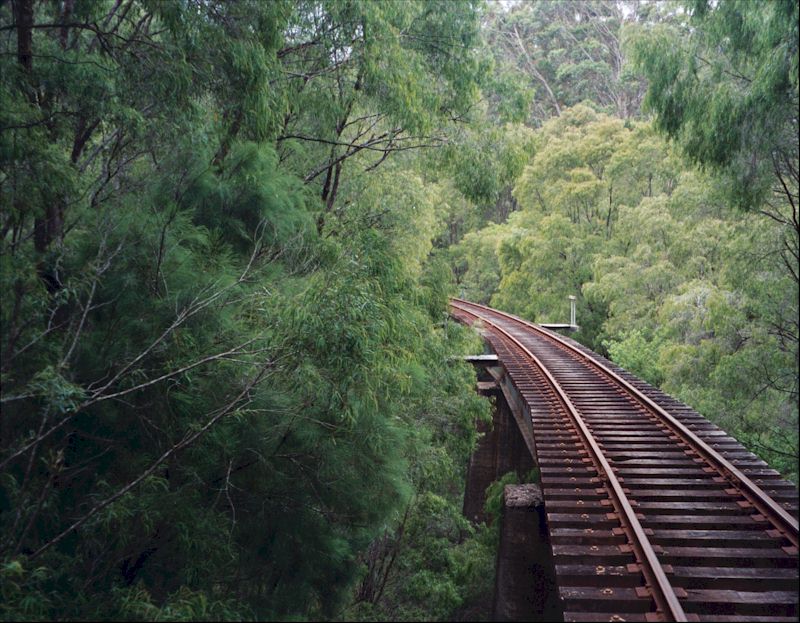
525 588
506 445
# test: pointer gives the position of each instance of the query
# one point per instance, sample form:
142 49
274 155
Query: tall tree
209 410
371 79
571 52
726 90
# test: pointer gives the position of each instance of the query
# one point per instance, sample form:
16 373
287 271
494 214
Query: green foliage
727 90
483 163
570 52
430 562
638 355
494 497
476 265
225 377
366 80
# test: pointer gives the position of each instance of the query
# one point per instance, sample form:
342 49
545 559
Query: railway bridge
646 510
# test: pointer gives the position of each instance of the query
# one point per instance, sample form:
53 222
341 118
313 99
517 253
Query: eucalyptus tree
725 86
208 409
571 52
372 79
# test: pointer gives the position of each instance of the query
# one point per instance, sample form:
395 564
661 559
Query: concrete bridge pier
525 587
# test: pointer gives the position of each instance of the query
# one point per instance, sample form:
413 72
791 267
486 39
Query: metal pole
571 310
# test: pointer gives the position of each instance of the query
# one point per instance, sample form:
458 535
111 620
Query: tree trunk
23 16
66 13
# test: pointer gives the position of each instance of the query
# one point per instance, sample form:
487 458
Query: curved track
653 512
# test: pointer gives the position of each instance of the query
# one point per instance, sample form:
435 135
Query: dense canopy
228 233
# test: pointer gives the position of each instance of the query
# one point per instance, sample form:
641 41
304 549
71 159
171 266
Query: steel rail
661 589
762 501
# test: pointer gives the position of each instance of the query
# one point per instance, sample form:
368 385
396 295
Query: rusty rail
783 521
666 596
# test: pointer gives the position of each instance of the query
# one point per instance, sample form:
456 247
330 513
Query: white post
571 310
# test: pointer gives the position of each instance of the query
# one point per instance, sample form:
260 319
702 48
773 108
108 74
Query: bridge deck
710 531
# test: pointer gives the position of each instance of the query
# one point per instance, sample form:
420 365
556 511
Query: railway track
654 513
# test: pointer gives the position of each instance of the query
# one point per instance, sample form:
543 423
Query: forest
231 389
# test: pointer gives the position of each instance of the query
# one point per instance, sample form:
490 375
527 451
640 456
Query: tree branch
188 439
